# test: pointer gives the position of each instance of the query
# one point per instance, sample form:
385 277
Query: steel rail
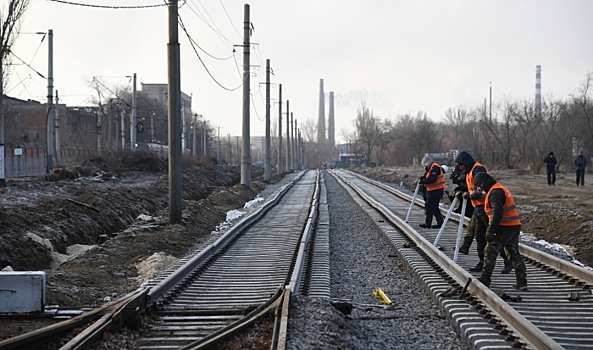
157 292
183 302
531 334
106 313
563 266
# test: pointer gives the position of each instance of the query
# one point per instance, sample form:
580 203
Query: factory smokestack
321 121
331 130
538 91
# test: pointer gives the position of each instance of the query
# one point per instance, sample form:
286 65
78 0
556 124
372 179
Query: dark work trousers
509 241
581 177
480 233
552 176
431 206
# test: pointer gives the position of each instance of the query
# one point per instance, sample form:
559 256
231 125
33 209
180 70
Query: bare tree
368 128
11 15
309 130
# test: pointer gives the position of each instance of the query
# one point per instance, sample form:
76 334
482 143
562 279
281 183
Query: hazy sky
400 56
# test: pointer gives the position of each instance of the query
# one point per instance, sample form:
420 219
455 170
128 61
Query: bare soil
561 214
114 214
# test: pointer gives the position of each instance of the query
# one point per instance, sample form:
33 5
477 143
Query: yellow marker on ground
379 293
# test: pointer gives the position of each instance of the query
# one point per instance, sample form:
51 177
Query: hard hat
445 168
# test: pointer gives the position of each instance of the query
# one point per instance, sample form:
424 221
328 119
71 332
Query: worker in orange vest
503 229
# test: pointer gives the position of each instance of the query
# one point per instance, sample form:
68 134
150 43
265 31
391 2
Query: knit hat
551 153
426 161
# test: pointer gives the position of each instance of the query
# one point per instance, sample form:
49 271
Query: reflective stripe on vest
471 187
510 214
439 183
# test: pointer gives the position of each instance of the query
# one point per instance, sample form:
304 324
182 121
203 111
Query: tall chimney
538 91
321 121
331 130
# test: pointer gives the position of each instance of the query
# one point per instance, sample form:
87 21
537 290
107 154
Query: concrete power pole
218 150
295 147
287 136
50 104
134 117
291 161
280 159
194 145
123 128
268 156
246 152
174 111
57 128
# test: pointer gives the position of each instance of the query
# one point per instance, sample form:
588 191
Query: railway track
248 273
242 276
556 312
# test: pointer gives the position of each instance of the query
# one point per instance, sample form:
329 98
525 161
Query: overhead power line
109 7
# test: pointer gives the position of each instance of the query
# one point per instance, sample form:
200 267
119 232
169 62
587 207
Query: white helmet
445 168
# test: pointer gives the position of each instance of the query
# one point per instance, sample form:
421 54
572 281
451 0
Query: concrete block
22 292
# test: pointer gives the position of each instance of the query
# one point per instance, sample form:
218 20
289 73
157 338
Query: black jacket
551 162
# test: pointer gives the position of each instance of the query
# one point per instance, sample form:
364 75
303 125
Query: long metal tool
451 208
413 201
460 230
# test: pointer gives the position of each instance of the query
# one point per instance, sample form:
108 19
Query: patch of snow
144 217
253 202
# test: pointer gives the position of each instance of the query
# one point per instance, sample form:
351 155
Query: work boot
484 281
464 250
440 220
427 222
477 268
520 287
508 267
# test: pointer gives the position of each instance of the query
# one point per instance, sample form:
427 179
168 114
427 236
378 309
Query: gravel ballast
362 260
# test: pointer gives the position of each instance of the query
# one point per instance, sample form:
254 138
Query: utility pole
295 147
246 153
280 164
57 128
134 117
50 104
287 136
184 129
490 102
205 139
194 148
238 150
230 159
152 126
291 143
218 151
123 128
174 112
268 160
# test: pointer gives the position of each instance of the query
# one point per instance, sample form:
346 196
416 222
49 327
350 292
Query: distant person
580 163
551 162
479 221
503 230
434 182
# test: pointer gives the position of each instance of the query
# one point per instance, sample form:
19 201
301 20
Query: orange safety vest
510 214
439 183
472 188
